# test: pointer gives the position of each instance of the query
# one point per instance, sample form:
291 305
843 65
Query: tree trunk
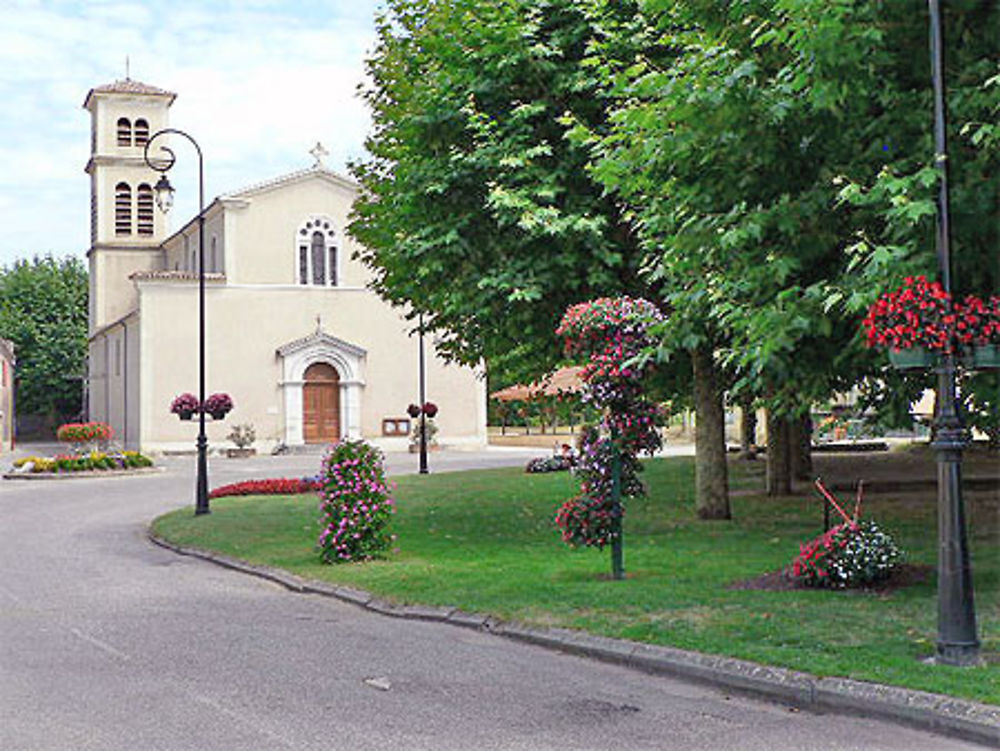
711 472
779 465
748 430
801 447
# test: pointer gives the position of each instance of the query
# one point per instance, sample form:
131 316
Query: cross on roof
318 152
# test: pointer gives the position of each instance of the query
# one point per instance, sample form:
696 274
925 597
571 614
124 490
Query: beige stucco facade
283 296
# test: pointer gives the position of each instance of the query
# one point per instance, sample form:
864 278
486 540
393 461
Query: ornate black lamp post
957 643
165 199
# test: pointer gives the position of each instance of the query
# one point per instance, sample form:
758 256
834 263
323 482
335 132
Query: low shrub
549 464
94 461
274 486
243 435
355 504
852 554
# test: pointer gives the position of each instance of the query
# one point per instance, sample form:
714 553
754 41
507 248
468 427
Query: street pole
423 401
957 643
164 198
617 543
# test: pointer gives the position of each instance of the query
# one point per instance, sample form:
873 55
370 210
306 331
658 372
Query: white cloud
258 83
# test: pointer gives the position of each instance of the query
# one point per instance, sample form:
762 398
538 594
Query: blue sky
258 83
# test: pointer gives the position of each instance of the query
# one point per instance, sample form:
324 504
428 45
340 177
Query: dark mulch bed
906 575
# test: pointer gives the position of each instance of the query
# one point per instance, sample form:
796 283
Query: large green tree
777 157
477 213
43 310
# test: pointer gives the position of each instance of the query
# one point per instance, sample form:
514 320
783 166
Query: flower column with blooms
612 333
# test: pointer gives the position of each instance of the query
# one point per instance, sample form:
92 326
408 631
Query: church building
308 353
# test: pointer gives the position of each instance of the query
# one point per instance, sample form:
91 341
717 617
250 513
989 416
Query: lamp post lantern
957 643
164 199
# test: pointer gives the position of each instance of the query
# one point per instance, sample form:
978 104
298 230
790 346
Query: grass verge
485 542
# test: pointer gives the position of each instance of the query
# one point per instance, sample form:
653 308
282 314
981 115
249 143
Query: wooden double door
321 404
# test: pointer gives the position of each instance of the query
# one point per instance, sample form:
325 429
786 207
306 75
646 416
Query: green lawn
485 542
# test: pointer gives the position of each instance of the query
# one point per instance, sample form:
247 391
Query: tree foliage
477 213
43 310
777 156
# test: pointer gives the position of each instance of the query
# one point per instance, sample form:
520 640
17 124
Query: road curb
937 713
88 474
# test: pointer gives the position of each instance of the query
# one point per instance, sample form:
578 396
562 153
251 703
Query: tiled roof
567 380
128 86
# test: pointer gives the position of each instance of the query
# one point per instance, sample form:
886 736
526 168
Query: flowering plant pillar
612 334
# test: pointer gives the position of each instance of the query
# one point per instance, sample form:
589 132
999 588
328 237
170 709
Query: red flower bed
275 486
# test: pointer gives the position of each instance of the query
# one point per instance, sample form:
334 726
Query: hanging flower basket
184 405
917 315
979 332
218 405
914 358
986 357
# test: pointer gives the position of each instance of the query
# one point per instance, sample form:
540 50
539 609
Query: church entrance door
321 404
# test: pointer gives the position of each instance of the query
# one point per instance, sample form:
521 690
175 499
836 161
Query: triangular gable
321 340
311 173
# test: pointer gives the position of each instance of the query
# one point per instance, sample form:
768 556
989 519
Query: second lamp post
165 199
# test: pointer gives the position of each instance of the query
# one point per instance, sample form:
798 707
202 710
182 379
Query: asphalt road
108 642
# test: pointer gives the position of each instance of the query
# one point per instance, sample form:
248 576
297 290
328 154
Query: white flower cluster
870 555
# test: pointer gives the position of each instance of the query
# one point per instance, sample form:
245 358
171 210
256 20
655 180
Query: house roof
128 86
563 381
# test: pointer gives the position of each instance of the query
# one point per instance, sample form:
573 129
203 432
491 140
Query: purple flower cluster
355 504
613 333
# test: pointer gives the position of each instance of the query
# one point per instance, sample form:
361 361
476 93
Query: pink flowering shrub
355 504
612 333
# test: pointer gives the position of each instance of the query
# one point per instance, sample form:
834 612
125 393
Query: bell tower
125 229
